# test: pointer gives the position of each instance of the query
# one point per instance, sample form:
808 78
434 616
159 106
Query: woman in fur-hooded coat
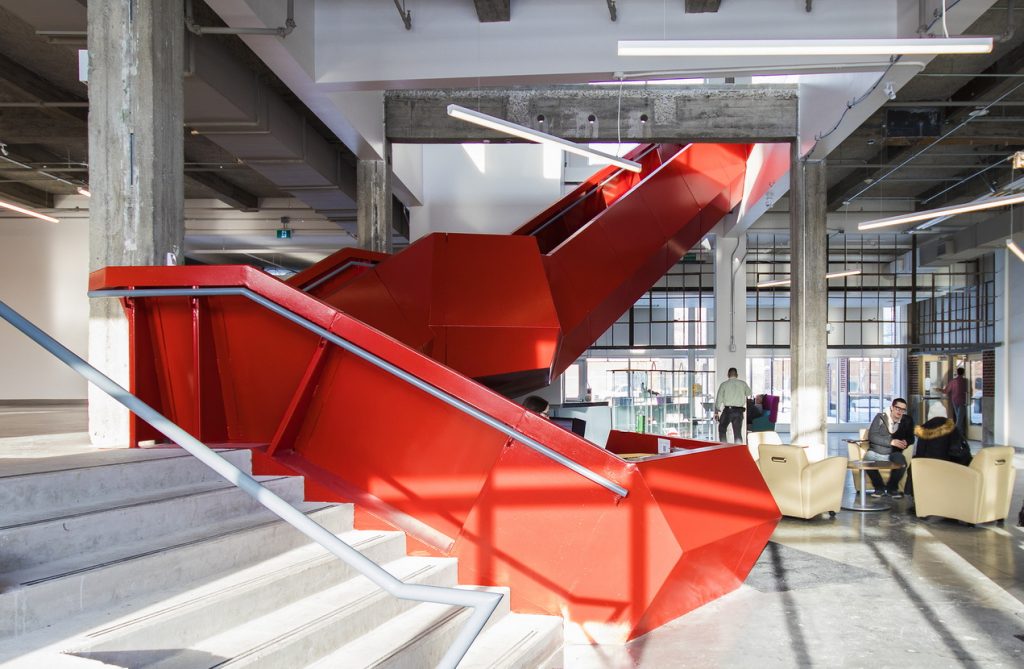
935 437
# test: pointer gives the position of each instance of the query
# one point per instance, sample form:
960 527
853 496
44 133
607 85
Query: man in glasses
890 434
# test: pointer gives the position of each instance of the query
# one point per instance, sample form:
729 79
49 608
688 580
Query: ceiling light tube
845 273
773 284
27 212
953 210
786 282
1012 245
529 134
807 47
83 191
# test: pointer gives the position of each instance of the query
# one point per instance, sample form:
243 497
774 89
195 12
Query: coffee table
861 502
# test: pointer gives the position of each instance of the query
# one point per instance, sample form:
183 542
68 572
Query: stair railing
483 603
377 361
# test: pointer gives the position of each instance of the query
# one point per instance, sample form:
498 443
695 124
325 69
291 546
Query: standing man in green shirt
730 404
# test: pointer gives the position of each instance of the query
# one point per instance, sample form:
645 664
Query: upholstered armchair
755 439
802 489
766 421
979 493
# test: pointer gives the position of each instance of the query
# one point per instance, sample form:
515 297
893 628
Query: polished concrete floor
879 589
860 590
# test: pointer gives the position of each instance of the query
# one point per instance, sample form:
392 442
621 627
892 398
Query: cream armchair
979 493
755 439
802 489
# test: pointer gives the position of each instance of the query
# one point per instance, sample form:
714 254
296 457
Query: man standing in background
956 391
730 403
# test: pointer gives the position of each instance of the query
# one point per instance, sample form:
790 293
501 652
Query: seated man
891 432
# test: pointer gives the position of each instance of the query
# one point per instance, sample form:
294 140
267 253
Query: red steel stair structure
463 315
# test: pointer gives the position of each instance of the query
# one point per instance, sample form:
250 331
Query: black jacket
936 438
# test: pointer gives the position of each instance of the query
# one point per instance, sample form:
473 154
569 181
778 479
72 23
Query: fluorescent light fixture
27 212
83 191
806 47
531 135
953 210
773 284
840 275
785 282
1012 245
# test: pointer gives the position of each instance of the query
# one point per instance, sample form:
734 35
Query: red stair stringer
233 372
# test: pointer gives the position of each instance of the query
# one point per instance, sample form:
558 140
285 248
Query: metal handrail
377 361
593 189
351 262
483 603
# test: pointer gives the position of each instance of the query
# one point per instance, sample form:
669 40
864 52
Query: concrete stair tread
242 594
101 457
9 521
50 489
517 640
111 532
428 627
344 606
85 562
65 605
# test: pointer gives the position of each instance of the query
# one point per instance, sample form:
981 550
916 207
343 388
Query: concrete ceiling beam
702 6
27 195
600 114
224 190
23 82
493 11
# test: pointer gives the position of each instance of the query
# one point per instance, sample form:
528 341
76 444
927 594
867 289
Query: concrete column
730 307
136 169
809 302
373 203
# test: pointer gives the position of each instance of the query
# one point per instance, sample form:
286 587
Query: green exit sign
284 233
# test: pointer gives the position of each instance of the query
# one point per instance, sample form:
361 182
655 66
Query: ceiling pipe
280 31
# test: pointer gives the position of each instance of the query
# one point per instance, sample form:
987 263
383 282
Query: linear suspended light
953 210
786 282
529 134
806 47
83 191
27 212
1012 245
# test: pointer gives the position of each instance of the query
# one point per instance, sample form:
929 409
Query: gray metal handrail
351 262
377 361
483 603
582 198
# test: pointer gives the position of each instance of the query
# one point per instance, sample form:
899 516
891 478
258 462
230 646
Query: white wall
1009 391
44 272
485 188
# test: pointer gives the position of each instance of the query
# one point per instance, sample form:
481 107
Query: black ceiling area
945 137
44 107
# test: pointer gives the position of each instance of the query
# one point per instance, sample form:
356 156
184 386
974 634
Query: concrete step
518 640
415 639
54 485
104 530
299 633
185 620
91 589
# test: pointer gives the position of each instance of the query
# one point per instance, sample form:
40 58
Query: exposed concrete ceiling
247 137
333 70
